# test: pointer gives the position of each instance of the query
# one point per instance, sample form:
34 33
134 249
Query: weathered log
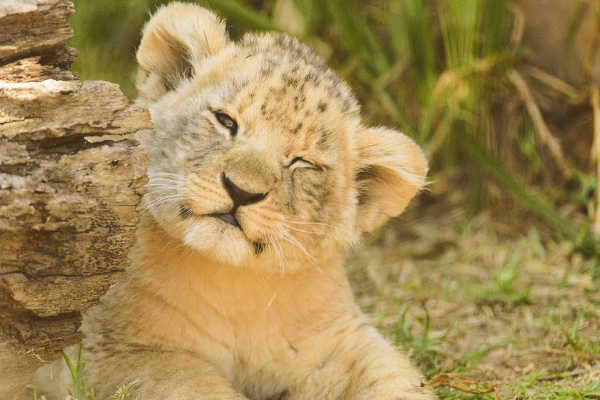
36 27
71 174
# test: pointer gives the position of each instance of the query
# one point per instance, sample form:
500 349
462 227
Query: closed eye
299 162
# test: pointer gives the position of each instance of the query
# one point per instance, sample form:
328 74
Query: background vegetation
506 236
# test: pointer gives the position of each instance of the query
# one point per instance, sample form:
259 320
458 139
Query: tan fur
264 310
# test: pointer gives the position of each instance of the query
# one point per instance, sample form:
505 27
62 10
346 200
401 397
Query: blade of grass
244 15
70 366
546 136
459 23
576 20
357 37
388 102
412 23
397 31
595 154
78 389
312 11
533 202
496 27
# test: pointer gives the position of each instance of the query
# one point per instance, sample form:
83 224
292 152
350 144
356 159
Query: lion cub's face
258 156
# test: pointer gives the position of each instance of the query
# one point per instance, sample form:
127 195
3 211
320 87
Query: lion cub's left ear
391 170
175 42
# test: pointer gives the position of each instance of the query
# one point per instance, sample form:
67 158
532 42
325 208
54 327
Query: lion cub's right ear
175 41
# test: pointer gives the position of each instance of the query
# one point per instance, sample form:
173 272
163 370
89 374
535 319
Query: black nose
239 196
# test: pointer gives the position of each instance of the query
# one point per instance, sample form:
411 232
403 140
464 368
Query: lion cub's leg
163 375
159 375
361 365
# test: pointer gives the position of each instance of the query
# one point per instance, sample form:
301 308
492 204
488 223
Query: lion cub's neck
198 286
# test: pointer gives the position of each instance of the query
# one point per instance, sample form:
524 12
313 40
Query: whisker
277 249
277 215
307 223
291 239
159 196
267 214
171 184
162 185
162 200
302 230
164 179
157 173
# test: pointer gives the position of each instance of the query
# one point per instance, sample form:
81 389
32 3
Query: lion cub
260 175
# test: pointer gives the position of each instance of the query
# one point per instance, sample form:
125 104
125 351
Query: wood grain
71 177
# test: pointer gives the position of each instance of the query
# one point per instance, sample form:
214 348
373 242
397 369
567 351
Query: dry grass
490 299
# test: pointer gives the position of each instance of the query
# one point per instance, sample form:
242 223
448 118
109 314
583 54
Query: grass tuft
423 347
503 289
78 388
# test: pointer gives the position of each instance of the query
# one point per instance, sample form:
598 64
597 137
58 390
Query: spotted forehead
292 89
288 69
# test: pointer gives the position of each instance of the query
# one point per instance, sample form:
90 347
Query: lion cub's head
258 155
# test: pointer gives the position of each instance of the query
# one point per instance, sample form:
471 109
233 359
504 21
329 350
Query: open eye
227 122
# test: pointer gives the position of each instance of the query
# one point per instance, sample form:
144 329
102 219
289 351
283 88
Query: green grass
475 305
533 391
425 350
78 388
536 387
422 347
503 288
580 345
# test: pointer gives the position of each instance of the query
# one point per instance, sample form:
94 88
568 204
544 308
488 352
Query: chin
218 240
215 239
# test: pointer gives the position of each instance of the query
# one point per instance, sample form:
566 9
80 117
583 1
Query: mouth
228 218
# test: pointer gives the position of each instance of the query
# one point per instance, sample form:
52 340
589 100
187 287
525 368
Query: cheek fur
311 192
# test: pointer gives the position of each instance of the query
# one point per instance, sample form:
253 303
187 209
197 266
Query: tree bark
71 174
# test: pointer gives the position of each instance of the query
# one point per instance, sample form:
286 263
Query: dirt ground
481 308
